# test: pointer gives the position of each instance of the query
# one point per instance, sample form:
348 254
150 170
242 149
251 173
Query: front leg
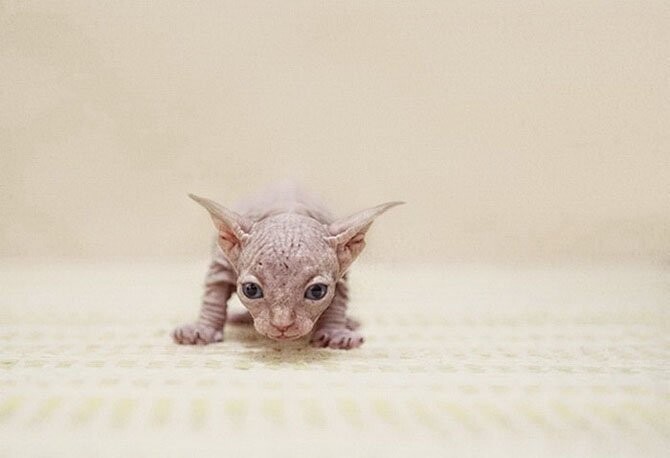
334 329
219 286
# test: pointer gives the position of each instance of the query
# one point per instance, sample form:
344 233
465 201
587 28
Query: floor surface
467 360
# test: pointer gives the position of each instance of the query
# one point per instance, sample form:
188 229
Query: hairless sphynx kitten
286 257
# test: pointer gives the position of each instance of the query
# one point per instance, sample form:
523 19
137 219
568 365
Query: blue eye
252 290
316 291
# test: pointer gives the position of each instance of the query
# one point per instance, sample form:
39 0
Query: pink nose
282 317
282 328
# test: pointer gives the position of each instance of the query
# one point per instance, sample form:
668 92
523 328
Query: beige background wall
512 129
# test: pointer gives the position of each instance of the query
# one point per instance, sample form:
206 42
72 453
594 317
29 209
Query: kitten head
289 264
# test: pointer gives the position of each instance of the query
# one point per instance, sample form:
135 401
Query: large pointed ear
233 228
347 235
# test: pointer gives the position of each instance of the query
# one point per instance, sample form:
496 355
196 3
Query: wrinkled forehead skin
285 251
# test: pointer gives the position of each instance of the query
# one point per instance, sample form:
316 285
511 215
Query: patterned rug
467 360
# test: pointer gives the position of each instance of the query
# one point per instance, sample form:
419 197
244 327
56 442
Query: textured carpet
459 360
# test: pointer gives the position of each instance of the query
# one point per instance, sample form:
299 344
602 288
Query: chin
285 338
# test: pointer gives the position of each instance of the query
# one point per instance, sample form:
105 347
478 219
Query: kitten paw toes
196 334
340 338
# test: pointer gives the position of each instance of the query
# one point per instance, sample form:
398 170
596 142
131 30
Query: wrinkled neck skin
285 253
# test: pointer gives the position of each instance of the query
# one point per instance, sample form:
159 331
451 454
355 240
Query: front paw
342 338
196 334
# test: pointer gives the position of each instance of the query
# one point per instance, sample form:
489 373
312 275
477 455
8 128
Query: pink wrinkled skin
284 242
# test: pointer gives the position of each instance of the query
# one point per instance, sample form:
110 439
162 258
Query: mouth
284 336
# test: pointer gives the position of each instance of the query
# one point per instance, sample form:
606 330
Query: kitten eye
316 292
252 290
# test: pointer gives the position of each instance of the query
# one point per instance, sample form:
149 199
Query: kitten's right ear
233 228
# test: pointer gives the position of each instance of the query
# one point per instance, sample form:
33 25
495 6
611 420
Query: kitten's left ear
348 234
